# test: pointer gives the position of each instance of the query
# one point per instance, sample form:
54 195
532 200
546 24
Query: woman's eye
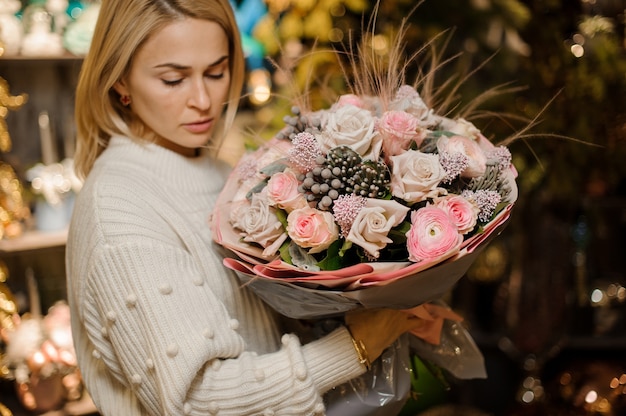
216 76
172 82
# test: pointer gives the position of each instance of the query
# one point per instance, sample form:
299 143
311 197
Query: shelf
34 240
602 343
66 57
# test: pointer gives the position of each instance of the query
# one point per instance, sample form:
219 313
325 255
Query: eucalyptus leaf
256 189
438 133
302 259
275 167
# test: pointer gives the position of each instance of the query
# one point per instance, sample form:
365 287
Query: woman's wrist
361 351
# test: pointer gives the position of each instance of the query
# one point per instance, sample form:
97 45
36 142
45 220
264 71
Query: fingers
414 322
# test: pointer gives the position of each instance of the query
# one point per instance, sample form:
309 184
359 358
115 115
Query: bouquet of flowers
382 199
373 202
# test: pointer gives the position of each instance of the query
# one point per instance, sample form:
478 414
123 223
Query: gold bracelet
361 352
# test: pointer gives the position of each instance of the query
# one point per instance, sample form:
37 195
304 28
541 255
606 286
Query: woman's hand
379 328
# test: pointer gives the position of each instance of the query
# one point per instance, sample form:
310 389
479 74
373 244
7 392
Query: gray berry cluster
343 171
298 123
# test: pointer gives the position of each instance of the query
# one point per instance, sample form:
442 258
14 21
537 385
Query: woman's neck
175 147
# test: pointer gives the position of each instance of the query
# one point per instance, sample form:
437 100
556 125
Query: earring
125 100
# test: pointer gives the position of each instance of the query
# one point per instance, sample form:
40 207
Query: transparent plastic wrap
386 387
456 352
382 391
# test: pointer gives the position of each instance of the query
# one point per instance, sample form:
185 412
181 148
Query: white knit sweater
159 325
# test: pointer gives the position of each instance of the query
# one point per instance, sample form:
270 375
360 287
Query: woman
159 325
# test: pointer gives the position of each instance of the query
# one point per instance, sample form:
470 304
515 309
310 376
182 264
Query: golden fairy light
8 102
13 209
259 86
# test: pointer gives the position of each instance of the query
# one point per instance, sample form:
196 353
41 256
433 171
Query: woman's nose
199 96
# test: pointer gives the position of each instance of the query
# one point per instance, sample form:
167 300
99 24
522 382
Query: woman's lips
199 127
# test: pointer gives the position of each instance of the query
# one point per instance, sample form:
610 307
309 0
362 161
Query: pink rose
282 191
477 161
247 169
463 212
351 99
399 129
312 228
432 234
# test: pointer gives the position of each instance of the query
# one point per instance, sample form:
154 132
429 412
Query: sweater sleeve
162 332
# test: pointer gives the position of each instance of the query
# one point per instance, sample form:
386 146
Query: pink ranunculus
312 228
282 191
463 212
432 234
468 147
398 130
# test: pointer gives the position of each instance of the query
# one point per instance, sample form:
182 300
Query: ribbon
432 317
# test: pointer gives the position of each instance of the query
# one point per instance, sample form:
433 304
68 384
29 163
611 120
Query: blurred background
545 302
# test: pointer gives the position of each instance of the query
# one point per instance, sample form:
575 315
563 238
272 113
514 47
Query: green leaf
281 214
284 252
347 245
333 260
402 228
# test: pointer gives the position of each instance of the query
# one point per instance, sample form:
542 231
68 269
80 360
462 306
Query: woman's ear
121 88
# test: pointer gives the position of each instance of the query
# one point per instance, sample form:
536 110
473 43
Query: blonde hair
122 27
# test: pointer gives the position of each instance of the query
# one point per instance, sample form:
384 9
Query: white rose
415 176
373 223
258 223
351 126
465 128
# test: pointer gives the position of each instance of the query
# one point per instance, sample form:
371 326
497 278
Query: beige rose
465 128
416 176
258 223
373 223
351 126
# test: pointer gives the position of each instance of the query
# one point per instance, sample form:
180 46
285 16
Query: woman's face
178 83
